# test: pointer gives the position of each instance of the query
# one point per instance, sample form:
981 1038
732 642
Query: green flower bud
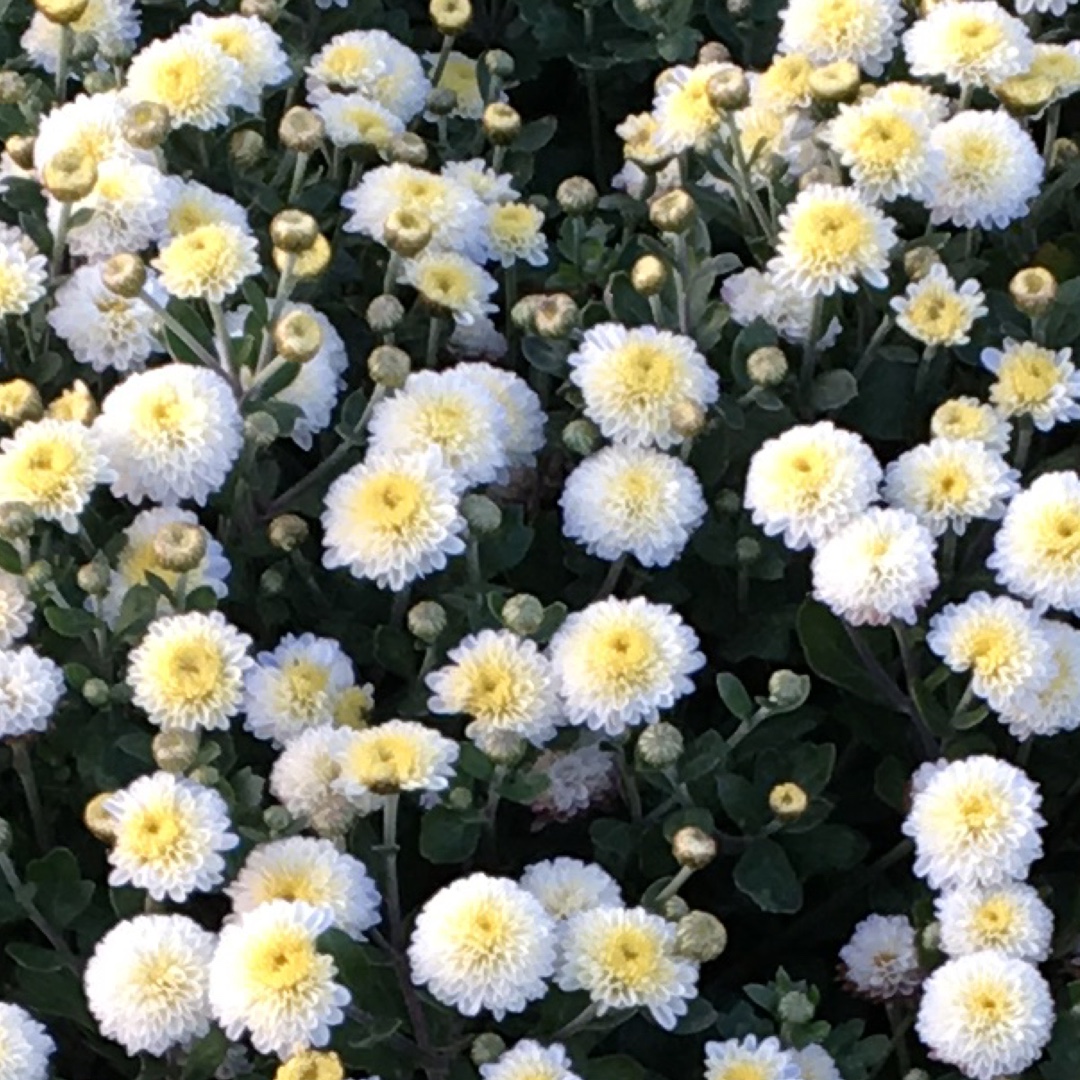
556 316
700 937
389 366
93 577
459 798
206 775
502 123
272 582
500 64
693 848
277 819
675 908
246 148
747 551
486 1048
673 212
16 521
660 745
38 574
523 614
180 547
288 531
261 429
426 621
796 1008
100 824
577 195
581 437
175 750
767 366
728 503
786 688
482 514
788 801
96 693
384 313
408 149
649 275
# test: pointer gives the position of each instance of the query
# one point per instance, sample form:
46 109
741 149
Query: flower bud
767 366
486 1048
919 261
389 366
728 90
277 819
930 938
260 430
673 212
69 175
786 688
522 614
714 52
146 125
76 403
796 1008
688 419
700 937
407 149
693 847
97 820
311 1065
450 17
16 521
384 313
426 621
124 275
287 532
1026 94
577 195
298 337
305 264
500 64
96 693
407 232
481 513
246 147
820 174
507 750
459 799
293 231
788 802
180 546
272 582
19 401
916 1074
98 82
834 83
354 707
659 746
20 148
302 130
747 551
675 908
12 88
267 10
1063 153
581 437
502 123
1034 291
441 101
523 313
38 574
206 775
649 275
62 12
93 577
556 316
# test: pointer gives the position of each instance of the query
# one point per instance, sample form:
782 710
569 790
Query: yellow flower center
368 125
391 502
491 691
311 1065
631 956
838 21
1027 378
483 932
189 671
303 687
948 486
785 82
742 1070
513 223
993 922
155 833
973 157
970 39
1058 536
289 883
180 83
979 813
644 373
989 649
187 215
13 286
164 980
831 235
883 142
938 316
459 75
689 107
234 41
285 962
623 656
384 763
988 1008
960 420
136 560
638 491
164 415
45 469
445 284
345 64
352 708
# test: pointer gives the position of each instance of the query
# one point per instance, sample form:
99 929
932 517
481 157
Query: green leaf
205 1057
613 1067
447 836
9 558
70 622
830 653
695 816
765 874
60 891
614 843
33 957
536 135
733 694
524 788
832 390
700 1016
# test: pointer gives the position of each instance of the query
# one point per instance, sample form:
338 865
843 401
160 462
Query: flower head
16 608
881 960
936 311
750 1059
1029 380
528 1060
451 283
1009 918
253 44
25 1045
568 886
209 262
685 116
395 756
1055 705
969 418
304 780
22 272
862 31
31 686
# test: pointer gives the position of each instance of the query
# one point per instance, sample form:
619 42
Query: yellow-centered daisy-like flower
208 262
396 756
1042 384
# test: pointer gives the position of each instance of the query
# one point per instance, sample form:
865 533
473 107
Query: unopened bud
486 1049
272 582
98 81
12 88
146 125
459 799
786 688
261 430
700 937
506 750
916 1074
20 148
19 401
180 546
767 366
788 801
1034 291
523 313
649 275
930 938
302 130
93 577
687 419
16 521
174 750
450 17
834 83
747 551
1026 94
693 847
407 232
556 316
97 820
714 52
919 261
728 90
796 1008
267 10
62 12
502 123
124 275
673 212
660 745
1063 153
293 231
407 149
581 437
96 693
69 175
576 195
76 403
481 513
389 366
38 574
305 264
247 147
311 1065
206 775
426 621
522 614
675 908
298 337
277 819
287 532
384 313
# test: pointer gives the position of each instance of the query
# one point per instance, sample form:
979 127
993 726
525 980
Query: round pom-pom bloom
304 780
268 978
169 835
188 671
1055 706
568 886
816 1063
483 943
632 500
523 430
315 872
170 434
881 961
576 780
392 757
636 381
618 663
806 483
451 283
685 117
31 685
16 608
1009 919
988 1015
862 31
252 44
146 983
515 231
750 1059
393 518
975 822
937 312
1031 381
529 1060
23 272
25 1045
969 418
624 958
209 262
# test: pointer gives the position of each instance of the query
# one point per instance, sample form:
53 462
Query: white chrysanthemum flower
190 205
946 483
568 886
483 943
91 124
23 272
197 81
459 75
1055 706
304 778
876 569
25 1045
1054 7
915 97
169 834
753 294
188 672
137 559
208 262
356 120
936 312
515 231
1000 642
503 684
969 418
529 1060
487 184
685 117
523 435
830 238
313 872
1037 549
816 1063
269 979
296 687
991 170
808 482
1057 64
31 685
1009 918
451 412
624 958
454 211
886 148
635 381
103 329
975 822
451 283
750 1058
53 466
393 518
620 662
481 338
146 983
784 85
170 434
16 608
862 31
881 960
253 44
969 43
576 780
392 757
1032 381
988 1015
632 500
106 30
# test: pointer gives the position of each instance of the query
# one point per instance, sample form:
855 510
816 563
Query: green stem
629 783
1025 430
390 853
611 579
277 305
582 1020
907 660
673 886
810 347
431 353
56 259
178 330
1053 119
592 93
299 168
221 338
63 60
24 896
947 556
24 769
878 337
444 55
900 1020
682 282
